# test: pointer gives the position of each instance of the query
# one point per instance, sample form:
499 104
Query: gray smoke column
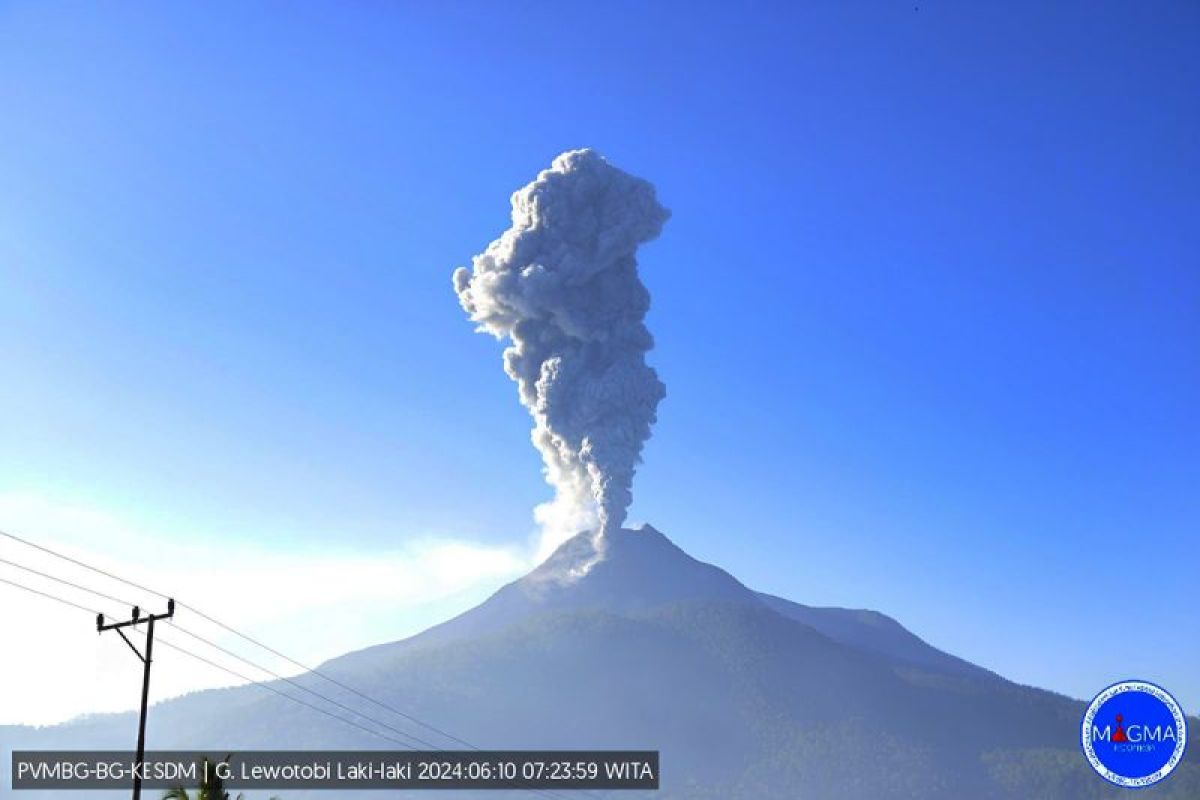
562 285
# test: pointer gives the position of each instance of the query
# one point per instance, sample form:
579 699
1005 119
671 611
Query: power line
216 646
303 688
251 681
267 686
247 638
77 562
332 680
227 652
250 639
293 698
198 657
65 582
49 596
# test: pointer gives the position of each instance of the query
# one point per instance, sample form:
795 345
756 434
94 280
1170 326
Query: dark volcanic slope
746 695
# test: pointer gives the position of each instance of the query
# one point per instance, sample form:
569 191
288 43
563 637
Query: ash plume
562 286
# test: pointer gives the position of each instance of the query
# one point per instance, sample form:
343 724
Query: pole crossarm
136 618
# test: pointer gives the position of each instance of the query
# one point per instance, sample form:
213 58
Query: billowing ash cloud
562 285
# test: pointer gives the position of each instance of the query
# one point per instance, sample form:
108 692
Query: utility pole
138 619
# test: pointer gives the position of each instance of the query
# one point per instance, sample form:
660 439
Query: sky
927 311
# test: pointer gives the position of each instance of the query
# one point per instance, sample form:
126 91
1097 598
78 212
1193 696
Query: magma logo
1134 734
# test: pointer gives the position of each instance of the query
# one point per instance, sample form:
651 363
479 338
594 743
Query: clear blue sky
928 309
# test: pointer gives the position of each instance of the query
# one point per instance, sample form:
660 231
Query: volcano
745 694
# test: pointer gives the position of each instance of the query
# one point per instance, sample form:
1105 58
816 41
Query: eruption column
562 285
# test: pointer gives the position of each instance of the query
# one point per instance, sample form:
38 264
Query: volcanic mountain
746 695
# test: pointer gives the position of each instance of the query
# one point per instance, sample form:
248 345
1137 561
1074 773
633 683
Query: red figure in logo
1119 733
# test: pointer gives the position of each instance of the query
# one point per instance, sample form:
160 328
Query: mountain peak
636 572
627 570
576 556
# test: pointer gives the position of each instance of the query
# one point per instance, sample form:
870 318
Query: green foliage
212 787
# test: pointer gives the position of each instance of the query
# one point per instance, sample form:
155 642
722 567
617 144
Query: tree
212 787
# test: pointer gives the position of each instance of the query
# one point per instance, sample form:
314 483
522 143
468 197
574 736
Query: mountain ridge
745 694
628 575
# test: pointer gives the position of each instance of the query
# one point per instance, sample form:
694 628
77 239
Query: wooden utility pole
138 619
